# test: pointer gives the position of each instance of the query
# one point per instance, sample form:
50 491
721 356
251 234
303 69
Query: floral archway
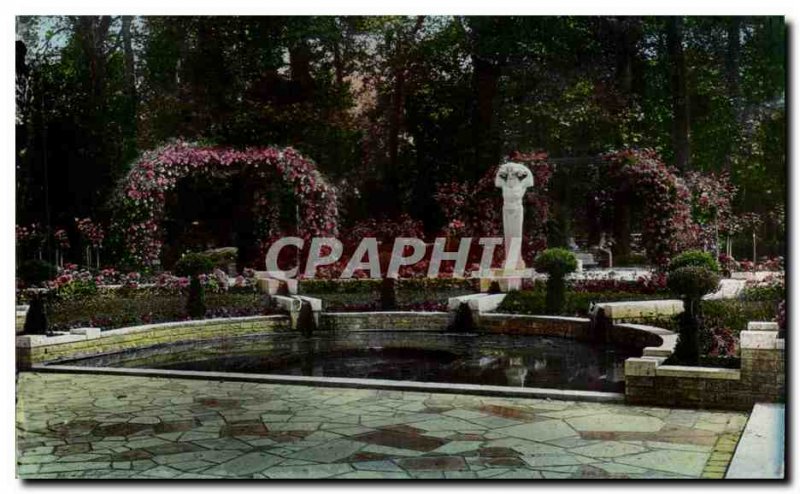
662 196
141 196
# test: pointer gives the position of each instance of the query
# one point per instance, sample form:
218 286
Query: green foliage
196 301
773 293
414 100
36 321
691 275
694 258
76 289
734 314
556 262
221 258
692 282
413 292
631 260
194 264
109 309
305 320
575 303
388 294
36 272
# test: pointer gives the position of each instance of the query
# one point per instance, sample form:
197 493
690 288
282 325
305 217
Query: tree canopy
392 107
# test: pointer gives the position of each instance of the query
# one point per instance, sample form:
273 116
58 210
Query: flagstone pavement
96 426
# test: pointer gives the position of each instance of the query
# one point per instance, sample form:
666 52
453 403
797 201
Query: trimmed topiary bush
556 263
697 258
196 302
35 272
36 320
691 275
692 282
388 294
193 265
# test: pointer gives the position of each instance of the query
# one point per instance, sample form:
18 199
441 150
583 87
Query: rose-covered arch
662 196
142 193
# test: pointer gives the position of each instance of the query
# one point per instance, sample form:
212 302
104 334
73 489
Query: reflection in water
503 360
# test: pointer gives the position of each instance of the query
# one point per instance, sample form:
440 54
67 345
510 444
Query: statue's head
513 176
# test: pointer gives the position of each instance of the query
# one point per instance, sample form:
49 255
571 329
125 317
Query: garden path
97 426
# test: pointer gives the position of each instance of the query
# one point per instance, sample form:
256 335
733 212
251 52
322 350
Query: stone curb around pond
347 382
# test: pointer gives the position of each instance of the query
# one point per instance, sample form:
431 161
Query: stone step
760 452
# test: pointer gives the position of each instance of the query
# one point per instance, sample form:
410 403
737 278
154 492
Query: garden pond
499 360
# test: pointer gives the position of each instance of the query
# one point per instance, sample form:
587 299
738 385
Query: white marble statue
514 179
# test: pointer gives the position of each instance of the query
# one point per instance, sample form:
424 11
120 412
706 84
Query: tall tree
680 100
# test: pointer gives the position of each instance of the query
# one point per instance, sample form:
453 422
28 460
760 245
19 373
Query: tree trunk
300 69
732 62
127 46
397 108
622 224
680 101
486 77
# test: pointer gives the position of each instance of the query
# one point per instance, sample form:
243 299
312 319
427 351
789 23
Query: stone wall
764 365
760 379
398 321
38 349
565 327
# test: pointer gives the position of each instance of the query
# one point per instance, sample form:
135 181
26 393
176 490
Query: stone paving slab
108 426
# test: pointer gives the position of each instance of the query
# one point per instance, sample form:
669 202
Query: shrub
780 317
557 263
221 258
696 258
631 259
692 282
764 293
36 320
193 264
691 275
575 303
196 302
110 309
36 272
388 294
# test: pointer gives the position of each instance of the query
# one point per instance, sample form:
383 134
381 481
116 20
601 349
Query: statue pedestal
509 280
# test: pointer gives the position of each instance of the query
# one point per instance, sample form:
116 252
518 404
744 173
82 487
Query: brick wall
398 321
761 378
37 349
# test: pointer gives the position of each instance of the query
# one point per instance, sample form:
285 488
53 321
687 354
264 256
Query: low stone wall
565 327
84 342
761 378
21 314
398 321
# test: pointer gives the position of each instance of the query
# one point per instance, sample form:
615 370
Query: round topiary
36 321
36 272
556 262
692 282
196 301
694 258
193 264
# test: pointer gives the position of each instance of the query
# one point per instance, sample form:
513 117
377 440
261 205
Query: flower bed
109 309
417 294
576 303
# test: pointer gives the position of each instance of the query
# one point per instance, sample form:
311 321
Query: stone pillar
763 364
